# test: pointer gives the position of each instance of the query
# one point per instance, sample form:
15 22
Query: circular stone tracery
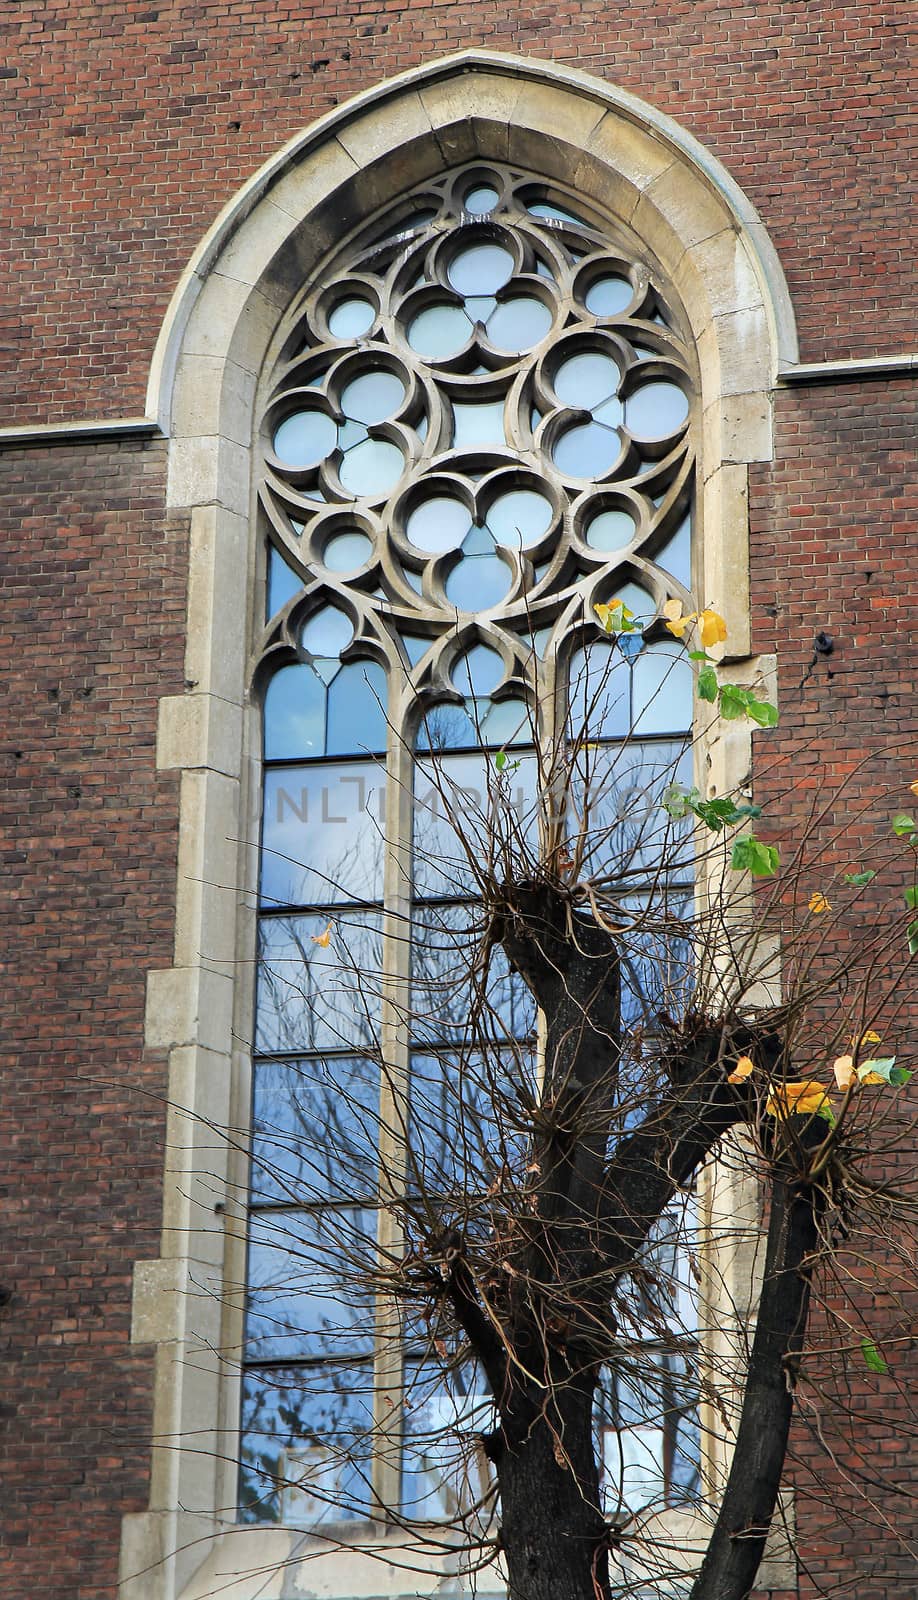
498 389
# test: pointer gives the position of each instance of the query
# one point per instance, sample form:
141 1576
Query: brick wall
127 127
93 612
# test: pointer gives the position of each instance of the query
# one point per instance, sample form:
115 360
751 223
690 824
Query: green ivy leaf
903 825
872 1357
751 855
857 880
500 760
884 1068
732 701
911 897
699 655
912 936
678 801
707 684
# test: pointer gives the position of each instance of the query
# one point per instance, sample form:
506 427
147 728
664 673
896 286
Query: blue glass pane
478 583
322 833
351 318
611 530
480 200
372 397
439 331
479 307
662 689
438 524
294 714
371 468
600 702
586 380
520 518
636 598
676 556
445 967
452 808
479 424
315 1129
307 1445
441 1478
299 1303
618 789
519 324
350 433
656 410
446 727
347 551
609 296
305 438
415 647
479 541
327 633
315 997
478 671
481 269
357 710
587 451
283 582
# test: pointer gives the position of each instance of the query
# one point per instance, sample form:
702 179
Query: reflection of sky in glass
312 1426
303 1301
455 810
315 998
322 833
315 1128
444 1470
445 942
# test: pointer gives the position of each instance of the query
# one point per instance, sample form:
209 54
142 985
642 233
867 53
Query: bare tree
515 1268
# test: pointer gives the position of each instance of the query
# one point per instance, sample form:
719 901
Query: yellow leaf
672 609
845 1075
743 1067
914 786
324 939
713 628
870 1037
871 1077
677 624
818 903
796 1099
603 613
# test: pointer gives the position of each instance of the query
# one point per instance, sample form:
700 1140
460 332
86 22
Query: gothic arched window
479 427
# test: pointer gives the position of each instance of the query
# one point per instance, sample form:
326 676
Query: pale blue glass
439 331
327 632
481 269
461 807
553 213
446 727
351 433
351 318
305 438
357 710
347 551
507 722
479 541
289 1415
478 583
656 410
480 200
314 997
587 451
322 833
479 307
599 692
414 646
294 713
372 397
371 468
315 1129
300 1305
607 297
676 555
445 1410
520 518
636 598
611 530
609 412
478 671
478 424
519 324
662 689
438 524
586 380
283 582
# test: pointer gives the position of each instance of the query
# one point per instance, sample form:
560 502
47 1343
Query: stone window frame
713 248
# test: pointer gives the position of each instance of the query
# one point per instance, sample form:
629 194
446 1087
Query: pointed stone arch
218 335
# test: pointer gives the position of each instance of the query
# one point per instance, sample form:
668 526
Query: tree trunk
555 1539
